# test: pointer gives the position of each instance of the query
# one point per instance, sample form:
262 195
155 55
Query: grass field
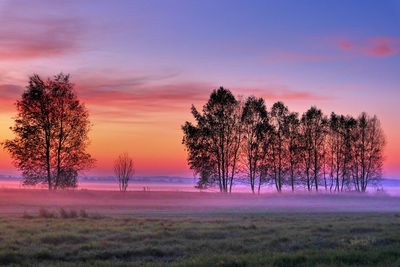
201 239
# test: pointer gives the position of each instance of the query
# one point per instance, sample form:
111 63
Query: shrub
44 213
26 215
73 214
66 215
83 213
63 213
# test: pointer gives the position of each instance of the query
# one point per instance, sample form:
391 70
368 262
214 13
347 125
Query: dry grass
201 239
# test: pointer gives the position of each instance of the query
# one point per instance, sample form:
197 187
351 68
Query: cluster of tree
51 133
242 140
51 136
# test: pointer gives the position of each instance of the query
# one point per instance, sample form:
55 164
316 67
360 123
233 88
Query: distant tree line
234 140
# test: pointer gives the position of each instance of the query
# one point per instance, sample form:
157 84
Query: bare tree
51 129
124 170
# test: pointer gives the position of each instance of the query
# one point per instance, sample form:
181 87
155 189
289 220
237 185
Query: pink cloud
9 94
129 95
142 96
283 93
339 49
28 35
346 44
138 99
141 100
383 46
374 47
288 56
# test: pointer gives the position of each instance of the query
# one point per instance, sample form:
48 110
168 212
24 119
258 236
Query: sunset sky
139 65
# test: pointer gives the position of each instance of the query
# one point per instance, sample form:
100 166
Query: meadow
65 238
92 228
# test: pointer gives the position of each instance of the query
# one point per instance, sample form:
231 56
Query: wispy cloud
141 101
147 99
296 57
345 44
137 102
9 93
381 46
341 49
284 93
24 34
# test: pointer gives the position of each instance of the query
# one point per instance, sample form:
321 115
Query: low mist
15 201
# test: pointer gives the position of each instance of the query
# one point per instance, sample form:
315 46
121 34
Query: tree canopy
234 141
51 133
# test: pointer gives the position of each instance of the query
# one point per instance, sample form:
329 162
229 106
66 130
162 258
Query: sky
140 65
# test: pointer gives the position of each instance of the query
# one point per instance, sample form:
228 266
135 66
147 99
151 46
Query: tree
230 140
335 150
334 147
294 147
279 147
367 157
349 134
213 143
51 129
339 150
256 138
314 131
124 170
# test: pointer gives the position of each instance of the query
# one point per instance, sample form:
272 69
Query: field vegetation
66 237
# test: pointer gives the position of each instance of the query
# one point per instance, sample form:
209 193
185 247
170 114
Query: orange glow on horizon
155 146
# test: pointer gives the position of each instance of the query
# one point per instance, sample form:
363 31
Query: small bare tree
124 170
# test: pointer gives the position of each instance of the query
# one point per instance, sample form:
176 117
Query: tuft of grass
44 213
97 216
62 238
26 215
83 213
63 213
290 260
73 214
67 214
9 257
